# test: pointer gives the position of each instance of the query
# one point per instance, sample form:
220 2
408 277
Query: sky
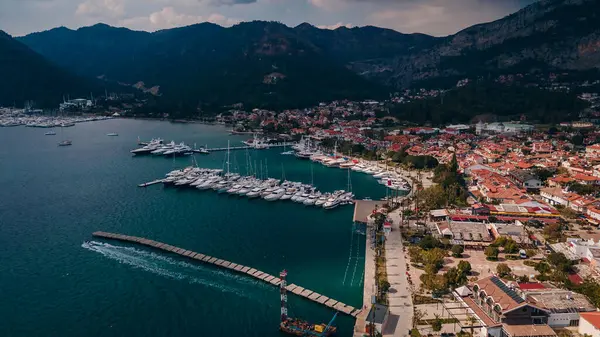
434 17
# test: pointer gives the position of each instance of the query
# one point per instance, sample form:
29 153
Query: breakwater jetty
265 277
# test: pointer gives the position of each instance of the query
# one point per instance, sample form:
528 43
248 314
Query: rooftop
507 298
528 330
364 208
558 300
592 317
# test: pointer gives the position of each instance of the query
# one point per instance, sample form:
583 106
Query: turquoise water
52 198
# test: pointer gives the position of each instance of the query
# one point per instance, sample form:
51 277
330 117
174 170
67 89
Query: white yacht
275 195
302 197
312 199
322 199
332 203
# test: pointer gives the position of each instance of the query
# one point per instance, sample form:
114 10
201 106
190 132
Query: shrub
503 270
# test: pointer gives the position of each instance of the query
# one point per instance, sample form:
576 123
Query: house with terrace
502 312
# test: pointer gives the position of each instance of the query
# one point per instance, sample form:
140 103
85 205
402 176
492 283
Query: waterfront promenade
265 277
400 295
368 287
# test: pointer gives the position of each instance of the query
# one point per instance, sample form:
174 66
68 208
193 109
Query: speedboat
347 164
268 191
358 168
234 189
322 199
112 134
50 133
275 195
288 194
255 193
383 174
332 203
208 183
302 197
312 199
65 143
246 188
222 186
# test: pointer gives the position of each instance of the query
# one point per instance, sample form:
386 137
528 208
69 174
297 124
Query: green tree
577 140
434 257
511 247
436 325
491 253
454 277
416 254
384 286
464 267
560 262
429 242
503 270
457 251
543 268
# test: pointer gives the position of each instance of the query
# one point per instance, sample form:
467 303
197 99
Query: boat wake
180 270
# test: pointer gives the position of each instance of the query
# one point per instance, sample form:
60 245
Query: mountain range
267 64
26 75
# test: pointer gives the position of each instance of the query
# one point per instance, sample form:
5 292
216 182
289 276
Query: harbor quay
260 275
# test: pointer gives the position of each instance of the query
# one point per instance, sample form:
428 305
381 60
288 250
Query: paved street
400 298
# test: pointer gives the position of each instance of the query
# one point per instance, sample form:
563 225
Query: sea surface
54 283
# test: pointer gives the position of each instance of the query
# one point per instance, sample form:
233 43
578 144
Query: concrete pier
259 275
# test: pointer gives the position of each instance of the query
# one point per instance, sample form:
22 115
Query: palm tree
471 320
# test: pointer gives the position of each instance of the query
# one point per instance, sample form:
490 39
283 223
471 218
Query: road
399 296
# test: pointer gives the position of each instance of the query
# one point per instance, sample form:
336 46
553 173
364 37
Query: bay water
54 283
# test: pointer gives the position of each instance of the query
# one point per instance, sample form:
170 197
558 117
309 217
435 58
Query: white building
589 324
502 128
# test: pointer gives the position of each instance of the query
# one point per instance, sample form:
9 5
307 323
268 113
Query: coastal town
495 233
499 235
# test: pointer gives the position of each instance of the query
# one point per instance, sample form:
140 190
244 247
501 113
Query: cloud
101 8
440 17
329 5
168 17
336 26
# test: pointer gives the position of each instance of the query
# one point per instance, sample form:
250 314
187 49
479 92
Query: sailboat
287 153
64 142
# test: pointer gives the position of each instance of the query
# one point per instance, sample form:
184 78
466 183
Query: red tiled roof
592 317
531 286
576 279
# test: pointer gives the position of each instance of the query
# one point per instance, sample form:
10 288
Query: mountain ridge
268 64
32 77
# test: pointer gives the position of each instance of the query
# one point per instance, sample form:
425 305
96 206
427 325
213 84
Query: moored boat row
252 187
306 150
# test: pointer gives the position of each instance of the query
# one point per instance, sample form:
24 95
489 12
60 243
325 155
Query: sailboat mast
349 182
227 157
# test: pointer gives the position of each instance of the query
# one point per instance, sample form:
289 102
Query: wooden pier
269 279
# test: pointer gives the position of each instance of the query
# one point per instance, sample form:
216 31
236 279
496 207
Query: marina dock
265 277
246 147
150 183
